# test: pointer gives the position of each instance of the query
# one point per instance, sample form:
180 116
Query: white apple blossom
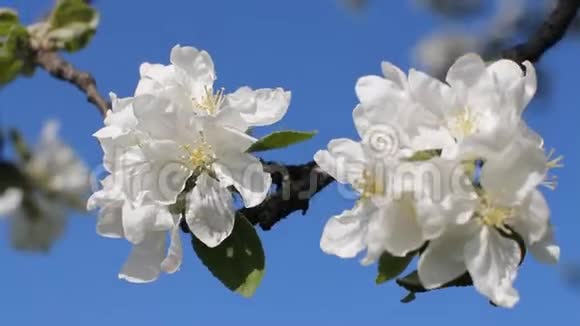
145 227
188 82
510 208
391 215
179 145
475 115
481 106
57 181
484 208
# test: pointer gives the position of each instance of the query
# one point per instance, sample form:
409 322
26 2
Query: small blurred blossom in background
437 52
51 181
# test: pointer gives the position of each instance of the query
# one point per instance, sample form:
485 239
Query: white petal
110 222
532 220
510 176
394 74
154 78
344 160
466 71
444 195
435 96
197 64
144 262
344 235
210 211
225 140
138 221
172 261
259 107
443 260
492 262
121 114
156 172
397 227
373 89
246 173
9 201
506 73
546 250
161 116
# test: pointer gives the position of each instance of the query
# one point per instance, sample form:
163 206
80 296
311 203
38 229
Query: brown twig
295 187
61 69
549 34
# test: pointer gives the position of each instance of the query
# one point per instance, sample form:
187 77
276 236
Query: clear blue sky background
317 49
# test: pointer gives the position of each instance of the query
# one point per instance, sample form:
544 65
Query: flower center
494 216
199 156
464 123
369 185
210 102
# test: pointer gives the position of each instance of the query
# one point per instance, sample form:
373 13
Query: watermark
379 174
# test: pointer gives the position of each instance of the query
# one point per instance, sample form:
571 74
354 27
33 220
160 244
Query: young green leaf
13 45
280 139
391 266
239 261
72 24
8 16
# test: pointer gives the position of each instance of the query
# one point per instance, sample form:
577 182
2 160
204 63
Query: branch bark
548 34
295 187
61 69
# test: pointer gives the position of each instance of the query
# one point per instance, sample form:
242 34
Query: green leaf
13 46
8 16
391 266
239 261
72 24
280 139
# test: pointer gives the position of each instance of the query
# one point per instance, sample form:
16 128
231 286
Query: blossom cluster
448 171
176 153
48 181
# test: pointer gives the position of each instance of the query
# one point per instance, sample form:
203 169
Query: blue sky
316 49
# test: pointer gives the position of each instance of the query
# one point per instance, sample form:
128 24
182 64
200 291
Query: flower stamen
550 180
370 186
464 123
210 101
494 216
198 157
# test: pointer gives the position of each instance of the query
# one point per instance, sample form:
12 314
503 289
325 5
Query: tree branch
549 33
295 186
61 69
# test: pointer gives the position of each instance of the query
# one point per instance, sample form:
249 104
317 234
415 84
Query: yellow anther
199 156
494 216
370 186
464 123
551 181
554 162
